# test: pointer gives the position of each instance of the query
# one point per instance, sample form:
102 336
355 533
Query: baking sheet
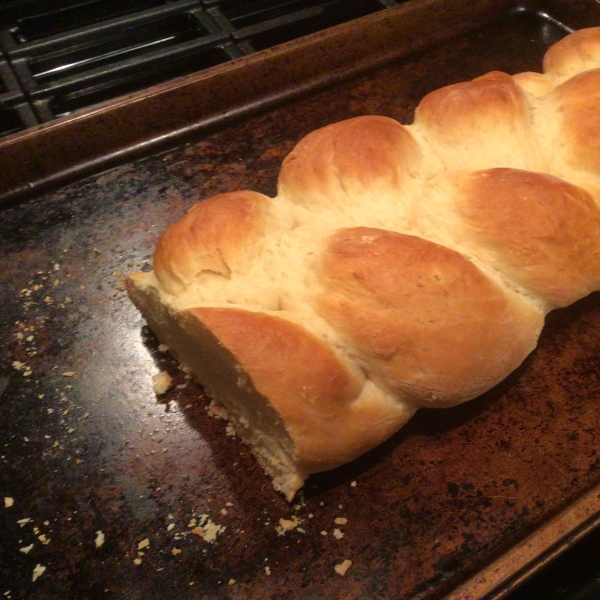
105 485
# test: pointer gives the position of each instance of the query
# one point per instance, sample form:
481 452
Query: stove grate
61 56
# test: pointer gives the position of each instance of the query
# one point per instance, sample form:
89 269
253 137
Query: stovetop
60 56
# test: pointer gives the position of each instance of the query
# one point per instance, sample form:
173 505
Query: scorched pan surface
111 492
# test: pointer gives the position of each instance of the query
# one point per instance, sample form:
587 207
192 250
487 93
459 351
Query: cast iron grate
60 56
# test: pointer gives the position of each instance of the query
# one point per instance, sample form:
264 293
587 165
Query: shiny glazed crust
399 266
424 321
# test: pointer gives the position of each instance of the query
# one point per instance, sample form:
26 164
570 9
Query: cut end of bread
213 366
284 391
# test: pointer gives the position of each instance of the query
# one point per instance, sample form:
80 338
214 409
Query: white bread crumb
99 541
343 567
207 530
287 525
37 571
161 382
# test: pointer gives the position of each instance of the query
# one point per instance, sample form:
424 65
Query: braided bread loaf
398 267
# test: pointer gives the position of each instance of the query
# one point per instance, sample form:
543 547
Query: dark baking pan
112 492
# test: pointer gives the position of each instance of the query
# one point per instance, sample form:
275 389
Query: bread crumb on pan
143 544
343 567
99 540
38 571
161 383
286 525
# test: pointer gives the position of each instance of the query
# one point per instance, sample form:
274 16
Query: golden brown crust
536 84
575 104
425 321
216 235
342 162
307 385
575 53
537 230
481 123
